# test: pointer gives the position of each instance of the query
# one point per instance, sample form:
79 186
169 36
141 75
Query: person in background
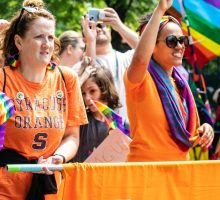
97 84
216 99
72 48
163 118
216 142
197 153
3 26
97 37
48 104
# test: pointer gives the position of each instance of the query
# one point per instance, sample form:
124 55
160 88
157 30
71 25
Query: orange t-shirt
42 111
150 132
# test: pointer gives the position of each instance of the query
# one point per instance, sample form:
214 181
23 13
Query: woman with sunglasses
163 117
48 104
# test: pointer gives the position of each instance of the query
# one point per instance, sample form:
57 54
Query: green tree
68 13
129 12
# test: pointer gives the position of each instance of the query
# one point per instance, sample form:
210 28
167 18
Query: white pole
33 167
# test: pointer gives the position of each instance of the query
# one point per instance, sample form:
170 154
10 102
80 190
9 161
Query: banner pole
33 167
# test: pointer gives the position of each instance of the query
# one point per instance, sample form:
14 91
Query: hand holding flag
112 119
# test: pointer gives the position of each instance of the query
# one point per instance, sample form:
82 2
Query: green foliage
68 14
138 9
10 7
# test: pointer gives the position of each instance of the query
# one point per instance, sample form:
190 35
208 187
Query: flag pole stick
33 167
197 75
106 119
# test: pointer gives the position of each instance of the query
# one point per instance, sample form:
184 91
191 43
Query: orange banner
187 180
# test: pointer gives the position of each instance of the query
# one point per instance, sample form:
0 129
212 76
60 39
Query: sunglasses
172 41
100 25
29 10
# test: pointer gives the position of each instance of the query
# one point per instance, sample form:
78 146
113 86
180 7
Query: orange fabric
151 139
21 186
39 122
191 180
51 197
37 127
23 180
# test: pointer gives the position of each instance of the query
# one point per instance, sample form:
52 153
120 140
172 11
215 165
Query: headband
163 22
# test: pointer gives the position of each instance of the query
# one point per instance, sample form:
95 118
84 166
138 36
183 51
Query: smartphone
96 14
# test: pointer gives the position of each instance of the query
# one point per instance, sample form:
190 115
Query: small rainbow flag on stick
6 111
113 119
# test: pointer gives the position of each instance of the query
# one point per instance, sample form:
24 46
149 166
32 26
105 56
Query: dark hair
20 25
143 21
164 20
68 38
104 79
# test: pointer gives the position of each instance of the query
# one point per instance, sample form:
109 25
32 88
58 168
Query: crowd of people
53 83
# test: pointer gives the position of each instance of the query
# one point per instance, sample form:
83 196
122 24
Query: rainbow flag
204 20
6 111
113 119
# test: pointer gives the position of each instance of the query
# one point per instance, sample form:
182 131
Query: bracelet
64 159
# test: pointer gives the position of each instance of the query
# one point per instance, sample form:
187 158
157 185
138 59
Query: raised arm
138 68
89 36
3 24
86 69
112 19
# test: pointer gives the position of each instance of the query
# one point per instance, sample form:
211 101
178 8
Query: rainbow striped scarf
167 94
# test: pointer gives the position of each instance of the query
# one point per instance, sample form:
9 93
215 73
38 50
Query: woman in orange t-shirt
48 104
162 113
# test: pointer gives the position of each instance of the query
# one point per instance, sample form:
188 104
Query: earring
51 65
13 61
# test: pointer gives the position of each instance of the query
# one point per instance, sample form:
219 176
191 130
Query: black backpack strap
3 89
62 75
